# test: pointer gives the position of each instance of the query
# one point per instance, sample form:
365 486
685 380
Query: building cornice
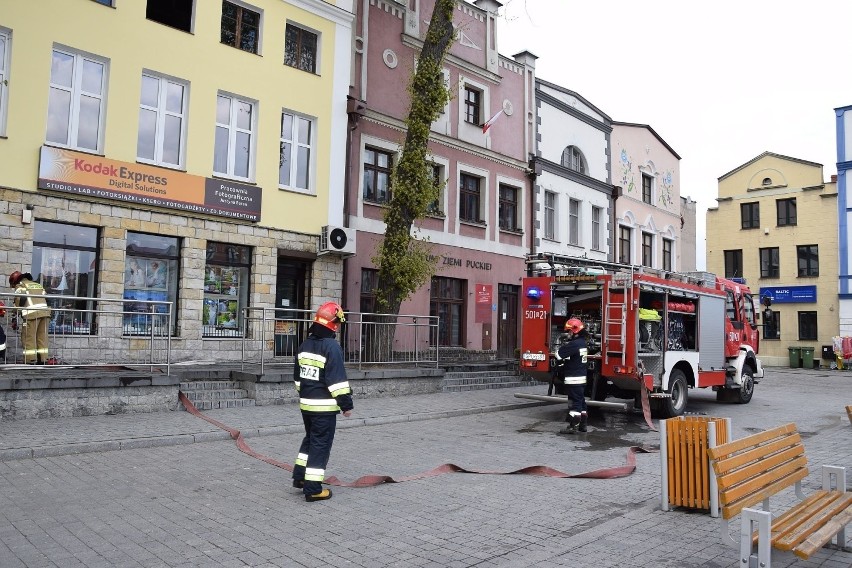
322 8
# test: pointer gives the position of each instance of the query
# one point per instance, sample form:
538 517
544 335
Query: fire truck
661 332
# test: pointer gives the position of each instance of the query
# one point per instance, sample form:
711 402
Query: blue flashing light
534 293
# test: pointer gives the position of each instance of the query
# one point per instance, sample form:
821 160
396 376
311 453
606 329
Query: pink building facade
480 227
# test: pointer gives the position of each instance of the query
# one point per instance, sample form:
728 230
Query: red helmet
14 278
330 315
574 325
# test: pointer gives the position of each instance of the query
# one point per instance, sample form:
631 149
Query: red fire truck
662 331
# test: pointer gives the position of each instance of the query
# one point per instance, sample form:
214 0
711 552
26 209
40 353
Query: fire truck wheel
674 406
746 391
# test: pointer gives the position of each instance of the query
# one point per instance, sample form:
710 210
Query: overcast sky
720 82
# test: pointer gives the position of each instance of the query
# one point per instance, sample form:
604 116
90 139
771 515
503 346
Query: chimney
834 178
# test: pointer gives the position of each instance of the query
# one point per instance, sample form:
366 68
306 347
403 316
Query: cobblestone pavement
170 490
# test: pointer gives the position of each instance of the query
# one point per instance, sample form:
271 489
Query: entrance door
290 295
507 320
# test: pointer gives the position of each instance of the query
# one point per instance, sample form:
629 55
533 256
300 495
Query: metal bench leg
838 475
763 520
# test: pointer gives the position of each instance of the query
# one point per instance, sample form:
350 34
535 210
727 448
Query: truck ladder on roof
551 264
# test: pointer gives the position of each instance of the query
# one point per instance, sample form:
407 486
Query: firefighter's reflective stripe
318 405
575 380
302 459
314 474
338 389
32 303
312 360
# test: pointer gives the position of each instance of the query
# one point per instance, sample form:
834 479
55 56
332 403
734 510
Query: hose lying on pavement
373 480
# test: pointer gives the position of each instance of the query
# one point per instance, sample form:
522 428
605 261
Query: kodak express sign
95 176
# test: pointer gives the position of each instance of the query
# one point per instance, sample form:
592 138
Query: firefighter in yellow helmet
324 392
572 362
33 310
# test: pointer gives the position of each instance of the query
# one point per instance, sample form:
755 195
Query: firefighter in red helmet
572 365
324 392
33 310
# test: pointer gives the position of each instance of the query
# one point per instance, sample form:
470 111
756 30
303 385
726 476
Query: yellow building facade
775 225
188 152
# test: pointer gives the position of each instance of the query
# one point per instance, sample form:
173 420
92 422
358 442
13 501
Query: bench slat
732 509
822 536
737 445
789 518
809 519
761 487
761 464
734 460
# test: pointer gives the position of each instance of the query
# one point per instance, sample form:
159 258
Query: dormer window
573 159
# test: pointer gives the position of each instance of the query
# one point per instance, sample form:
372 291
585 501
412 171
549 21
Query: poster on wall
484 299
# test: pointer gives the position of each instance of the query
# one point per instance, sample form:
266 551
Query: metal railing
94 332
366 338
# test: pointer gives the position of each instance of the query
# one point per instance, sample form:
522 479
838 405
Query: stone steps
207 395
457 381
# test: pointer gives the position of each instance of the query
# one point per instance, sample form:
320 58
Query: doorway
507 320
290 296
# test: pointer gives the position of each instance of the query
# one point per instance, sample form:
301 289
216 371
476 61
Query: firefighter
35 315
572 359
324 392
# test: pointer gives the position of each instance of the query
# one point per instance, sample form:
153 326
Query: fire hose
373 480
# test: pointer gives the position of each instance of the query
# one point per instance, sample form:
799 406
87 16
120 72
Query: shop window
447 301
65 263
226 287
150 280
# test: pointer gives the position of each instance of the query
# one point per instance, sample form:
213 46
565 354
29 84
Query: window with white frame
162 121
439 180
301 48
668 247
573 158
296 151
5 49
573 222
625 243
647 249
470 198
647 187
597 214
508 208
235 133
75 110
378 165
472 105
550 215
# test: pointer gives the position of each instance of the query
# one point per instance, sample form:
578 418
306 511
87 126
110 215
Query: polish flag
491 121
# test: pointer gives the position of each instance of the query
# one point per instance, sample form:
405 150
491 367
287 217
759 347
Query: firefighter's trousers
576 393
34 338
315 450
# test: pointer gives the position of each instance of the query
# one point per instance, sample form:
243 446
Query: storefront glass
150 277
226 286
65 263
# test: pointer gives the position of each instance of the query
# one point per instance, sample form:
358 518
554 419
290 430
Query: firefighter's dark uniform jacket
572 361
324 391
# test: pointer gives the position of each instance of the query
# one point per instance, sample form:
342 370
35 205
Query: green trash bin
808 357
795 355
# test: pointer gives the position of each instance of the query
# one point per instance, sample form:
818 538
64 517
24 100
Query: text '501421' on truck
661 331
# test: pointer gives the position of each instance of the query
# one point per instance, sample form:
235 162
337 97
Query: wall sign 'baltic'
95 176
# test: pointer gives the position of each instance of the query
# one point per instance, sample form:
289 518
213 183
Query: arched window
573 158
767 181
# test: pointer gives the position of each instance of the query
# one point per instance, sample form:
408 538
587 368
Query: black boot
573 419
584 419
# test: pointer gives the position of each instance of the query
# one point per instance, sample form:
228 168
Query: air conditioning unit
340 240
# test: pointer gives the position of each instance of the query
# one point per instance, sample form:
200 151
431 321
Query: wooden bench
752 469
